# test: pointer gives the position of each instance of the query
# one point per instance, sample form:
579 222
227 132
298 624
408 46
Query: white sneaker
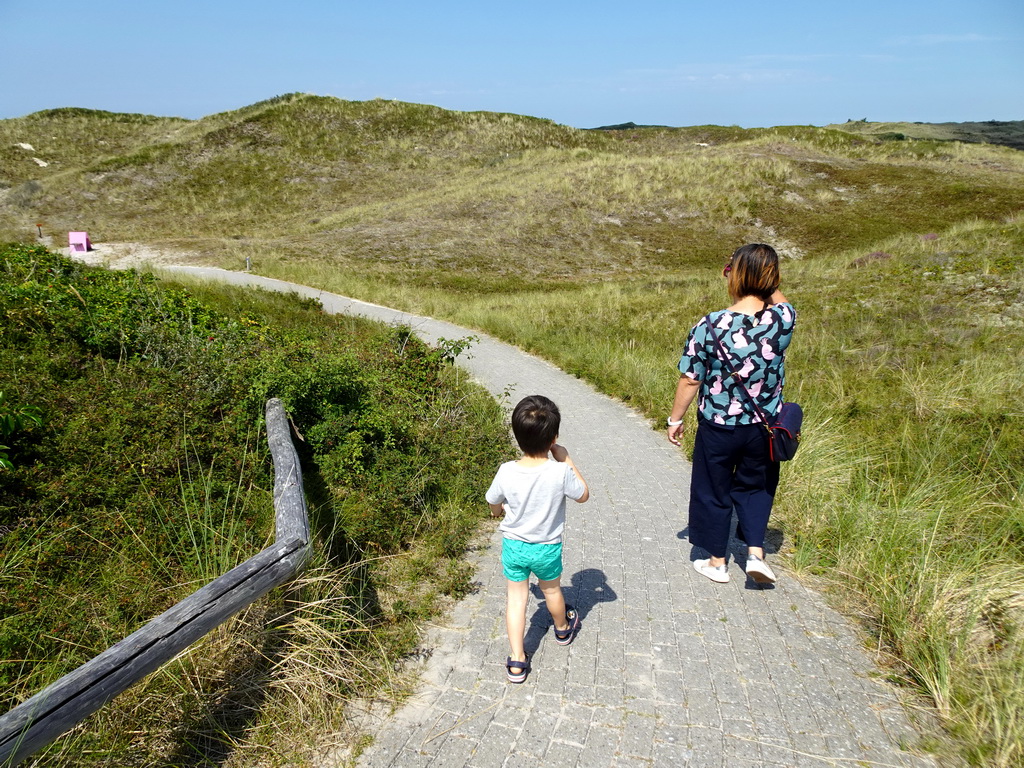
759 571
719 573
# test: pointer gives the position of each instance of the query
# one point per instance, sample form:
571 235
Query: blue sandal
523 667
565 637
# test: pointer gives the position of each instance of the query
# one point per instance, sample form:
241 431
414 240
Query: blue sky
584 64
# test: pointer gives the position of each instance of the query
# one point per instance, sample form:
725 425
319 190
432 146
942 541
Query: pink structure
79 242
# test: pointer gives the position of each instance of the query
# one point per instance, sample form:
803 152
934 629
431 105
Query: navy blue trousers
731 470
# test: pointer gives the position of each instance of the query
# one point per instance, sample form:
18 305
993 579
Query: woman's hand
674 433
686 390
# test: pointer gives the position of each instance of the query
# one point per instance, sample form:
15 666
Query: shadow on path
586 589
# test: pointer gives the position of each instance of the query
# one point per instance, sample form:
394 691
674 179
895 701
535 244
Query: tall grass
907 494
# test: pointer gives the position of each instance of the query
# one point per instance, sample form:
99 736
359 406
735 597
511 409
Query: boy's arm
558 453
497 510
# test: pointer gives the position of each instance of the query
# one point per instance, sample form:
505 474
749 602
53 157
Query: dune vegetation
599 249
136 470
1007 133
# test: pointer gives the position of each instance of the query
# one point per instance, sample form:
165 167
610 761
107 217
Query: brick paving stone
511 716
671 733
714 629
705 742
772 729
629 761
571 730
535 739
495 746
673 714
456 751
584 668
611 655
640 690
628 566
670 687
638 736
602 744
560 755
609 695
663 633
551 680
612 717
431 740
676 755
666 659
699 677
813 751
777 755
740 740
518 760
492 688
735 710
641 707
409 759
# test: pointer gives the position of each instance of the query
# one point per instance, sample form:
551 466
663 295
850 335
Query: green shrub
148 475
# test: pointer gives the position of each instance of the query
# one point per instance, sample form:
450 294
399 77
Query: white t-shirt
536 499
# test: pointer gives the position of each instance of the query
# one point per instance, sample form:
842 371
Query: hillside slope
404 189
1006 133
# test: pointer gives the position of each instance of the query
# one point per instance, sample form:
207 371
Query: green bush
148 474
14 418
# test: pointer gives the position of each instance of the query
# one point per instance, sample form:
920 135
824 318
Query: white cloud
941 39
813 58
652 79
796 58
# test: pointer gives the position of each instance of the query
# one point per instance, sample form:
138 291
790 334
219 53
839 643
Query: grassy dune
403 190
1007 133
599 249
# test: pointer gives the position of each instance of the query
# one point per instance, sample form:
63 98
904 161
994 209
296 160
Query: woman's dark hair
535 423
755 272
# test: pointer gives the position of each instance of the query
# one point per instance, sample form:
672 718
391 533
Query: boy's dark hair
755 271
535 423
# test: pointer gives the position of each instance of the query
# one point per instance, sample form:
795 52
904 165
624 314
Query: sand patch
131 256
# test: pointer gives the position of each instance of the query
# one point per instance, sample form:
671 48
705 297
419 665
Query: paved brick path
669 669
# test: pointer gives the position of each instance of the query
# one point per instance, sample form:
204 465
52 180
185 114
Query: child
531 494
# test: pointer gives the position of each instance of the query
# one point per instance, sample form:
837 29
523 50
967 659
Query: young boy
531 494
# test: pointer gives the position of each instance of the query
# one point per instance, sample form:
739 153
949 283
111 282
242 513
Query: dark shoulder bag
784 431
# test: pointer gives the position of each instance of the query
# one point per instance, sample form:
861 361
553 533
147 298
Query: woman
731 465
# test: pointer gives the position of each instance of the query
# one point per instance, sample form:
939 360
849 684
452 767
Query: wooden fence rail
60 706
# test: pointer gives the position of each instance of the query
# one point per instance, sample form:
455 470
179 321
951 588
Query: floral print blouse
756 346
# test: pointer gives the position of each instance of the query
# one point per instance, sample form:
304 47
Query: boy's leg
555 602
515 617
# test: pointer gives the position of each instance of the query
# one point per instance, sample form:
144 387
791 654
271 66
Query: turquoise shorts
520 558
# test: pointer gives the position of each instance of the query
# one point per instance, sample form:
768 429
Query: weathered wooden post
57 708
